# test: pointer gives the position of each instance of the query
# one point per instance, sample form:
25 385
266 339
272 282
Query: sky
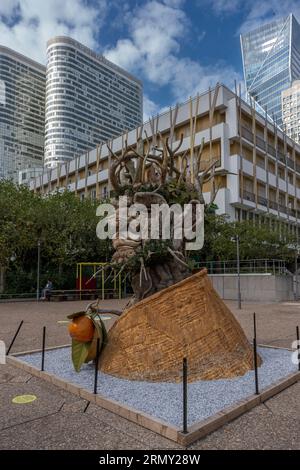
176 47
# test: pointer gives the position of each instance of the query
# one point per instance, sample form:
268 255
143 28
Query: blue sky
176 47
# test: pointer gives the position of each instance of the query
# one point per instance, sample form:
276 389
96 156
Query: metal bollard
184 386
43 349
96 366
14 338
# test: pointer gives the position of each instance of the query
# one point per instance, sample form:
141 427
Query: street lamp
296 274
236 238
38 270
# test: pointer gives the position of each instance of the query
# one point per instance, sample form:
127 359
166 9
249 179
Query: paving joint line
31 420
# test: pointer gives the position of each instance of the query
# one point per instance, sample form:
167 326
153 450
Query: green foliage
268 240
178 193
80 352
65 226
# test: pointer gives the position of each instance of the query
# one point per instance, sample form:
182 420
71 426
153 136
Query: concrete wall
254 287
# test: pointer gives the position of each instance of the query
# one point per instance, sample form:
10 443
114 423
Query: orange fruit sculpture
82 329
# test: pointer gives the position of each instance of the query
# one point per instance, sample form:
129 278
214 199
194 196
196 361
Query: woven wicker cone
188 319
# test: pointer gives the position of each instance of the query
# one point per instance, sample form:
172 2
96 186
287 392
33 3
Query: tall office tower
88 100
271 61
22 113
291 111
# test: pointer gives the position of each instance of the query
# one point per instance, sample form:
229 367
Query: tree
65 226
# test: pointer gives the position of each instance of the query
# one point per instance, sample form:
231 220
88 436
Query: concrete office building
271 62
22 113
258 168
88 100
291 111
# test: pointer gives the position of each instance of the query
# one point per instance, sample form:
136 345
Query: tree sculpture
173 314
159 177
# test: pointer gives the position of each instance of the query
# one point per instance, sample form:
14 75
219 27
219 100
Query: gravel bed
164 400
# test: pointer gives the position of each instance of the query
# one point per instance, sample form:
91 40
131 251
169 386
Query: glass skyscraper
88 100
271 62
22 113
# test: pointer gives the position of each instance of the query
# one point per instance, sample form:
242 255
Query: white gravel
164 400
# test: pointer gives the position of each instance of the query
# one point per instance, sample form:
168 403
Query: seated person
46 292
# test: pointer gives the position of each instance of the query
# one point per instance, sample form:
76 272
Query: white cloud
150 108
7 7
224 6
174 3
256 12
201 36
263 12
152 50
38 21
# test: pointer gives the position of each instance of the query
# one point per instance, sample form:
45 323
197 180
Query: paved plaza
60 420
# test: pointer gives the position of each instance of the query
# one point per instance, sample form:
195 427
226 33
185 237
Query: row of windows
60 51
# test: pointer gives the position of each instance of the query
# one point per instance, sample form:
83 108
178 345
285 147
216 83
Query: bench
86 294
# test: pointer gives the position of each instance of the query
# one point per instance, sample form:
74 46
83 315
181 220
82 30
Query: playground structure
106 283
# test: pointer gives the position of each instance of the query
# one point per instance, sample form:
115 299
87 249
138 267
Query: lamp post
236 238
296 274
38 270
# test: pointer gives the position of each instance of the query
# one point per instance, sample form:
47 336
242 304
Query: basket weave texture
188 319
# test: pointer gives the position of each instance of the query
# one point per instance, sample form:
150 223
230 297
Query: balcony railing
260 143
247 134
280 156
282 208
272 150
249 196
273 205
262 201
250 266
290 162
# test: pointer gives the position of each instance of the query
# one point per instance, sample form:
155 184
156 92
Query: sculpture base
188 319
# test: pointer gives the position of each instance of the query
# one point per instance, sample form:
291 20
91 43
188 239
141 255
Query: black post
38 270
14 338
43 348
255 366
184 385
238 271
254 325
96 366
298 346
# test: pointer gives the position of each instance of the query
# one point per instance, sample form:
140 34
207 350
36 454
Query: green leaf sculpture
83 352
80 352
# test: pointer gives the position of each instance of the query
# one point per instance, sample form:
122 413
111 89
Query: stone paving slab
71 428
257 429
137 432
67 431
269 426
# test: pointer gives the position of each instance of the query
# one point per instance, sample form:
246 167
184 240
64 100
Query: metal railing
263 201
21 296
249 196
249 266
260 142
247 134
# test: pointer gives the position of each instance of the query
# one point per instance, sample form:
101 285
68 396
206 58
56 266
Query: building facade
22 113
271 62
290 100
258 169
88 100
